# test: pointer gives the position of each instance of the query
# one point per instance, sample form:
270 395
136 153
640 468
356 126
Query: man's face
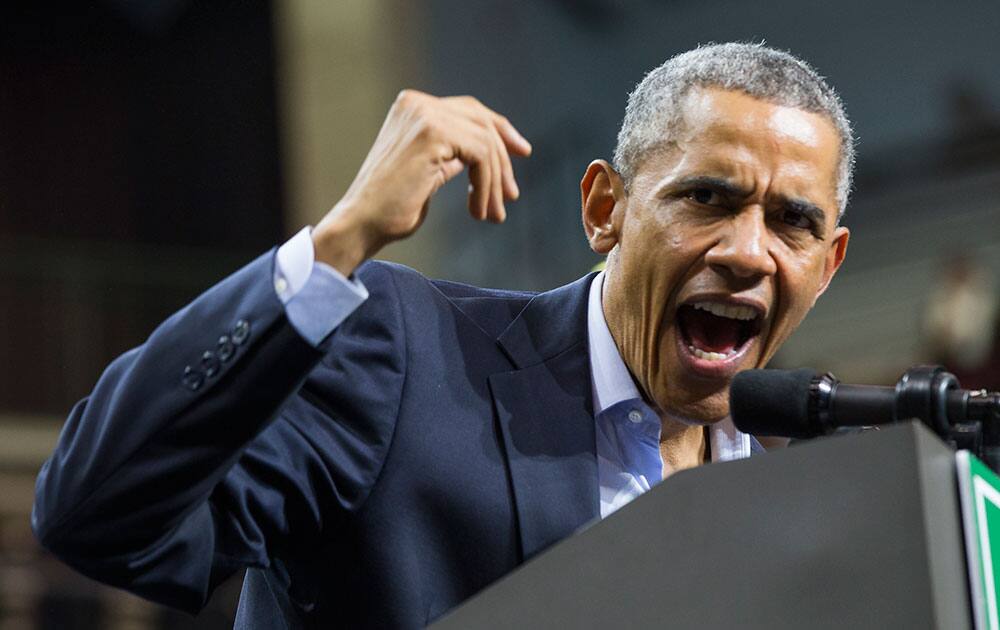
724 242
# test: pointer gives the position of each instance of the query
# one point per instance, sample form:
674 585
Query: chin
701 411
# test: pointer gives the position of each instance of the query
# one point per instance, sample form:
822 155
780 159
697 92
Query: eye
796 218
705 196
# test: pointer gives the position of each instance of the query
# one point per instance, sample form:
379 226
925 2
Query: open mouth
717 331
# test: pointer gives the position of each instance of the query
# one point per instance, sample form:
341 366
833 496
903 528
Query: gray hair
652 114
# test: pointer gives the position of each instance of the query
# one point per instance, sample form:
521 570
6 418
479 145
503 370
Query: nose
742 250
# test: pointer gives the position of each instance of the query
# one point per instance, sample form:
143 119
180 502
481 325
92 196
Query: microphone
804 404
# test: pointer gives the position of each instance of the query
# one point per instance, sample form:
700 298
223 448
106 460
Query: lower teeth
710 356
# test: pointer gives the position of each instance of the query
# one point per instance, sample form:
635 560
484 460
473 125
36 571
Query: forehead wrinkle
740 169
757 149
797 178
708 105
789 173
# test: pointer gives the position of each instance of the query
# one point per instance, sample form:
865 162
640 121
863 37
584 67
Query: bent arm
163 483
146 487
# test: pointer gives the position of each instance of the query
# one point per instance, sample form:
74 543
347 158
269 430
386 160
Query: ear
834 257
601 192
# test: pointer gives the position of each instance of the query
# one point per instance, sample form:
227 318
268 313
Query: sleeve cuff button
210 364
193 379
226 349
241 332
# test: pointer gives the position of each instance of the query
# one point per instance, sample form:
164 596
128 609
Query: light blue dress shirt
318 298
628 430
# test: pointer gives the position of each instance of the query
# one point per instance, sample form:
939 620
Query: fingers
496 211
510 189
498 181
480 148
512 138
514 141
479 188
470 145
484 142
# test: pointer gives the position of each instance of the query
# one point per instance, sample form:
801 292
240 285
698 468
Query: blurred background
149 148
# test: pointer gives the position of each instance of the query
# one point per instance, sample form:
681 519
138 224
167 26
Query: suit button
193 379
209 363
241 331
226 348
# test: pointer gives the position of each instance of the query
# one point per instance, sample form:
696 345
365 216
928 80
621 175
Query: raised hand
424 142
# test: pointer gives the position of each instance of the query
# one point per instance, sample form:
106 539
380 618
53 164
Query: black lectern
859 531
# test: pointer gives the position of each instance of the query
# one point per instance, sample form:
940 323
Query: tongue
708 332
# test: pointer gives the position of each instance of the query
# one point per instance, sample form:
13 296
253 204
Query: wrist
341 244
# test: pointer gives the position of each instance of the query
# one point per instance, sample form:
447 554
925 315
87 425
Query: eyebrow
707 181
815 213
811 210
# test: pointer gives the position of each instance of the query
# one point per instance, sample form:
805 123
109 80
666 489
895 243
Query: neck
681 445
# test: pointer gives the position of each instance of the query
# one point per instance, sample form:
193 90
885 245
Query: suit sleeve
165 483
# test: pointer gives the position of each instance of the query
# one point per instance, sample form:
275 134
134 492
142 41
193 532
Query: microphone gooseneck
804 404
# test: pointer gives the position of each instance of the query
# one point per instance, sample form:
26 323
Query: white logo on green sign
980 496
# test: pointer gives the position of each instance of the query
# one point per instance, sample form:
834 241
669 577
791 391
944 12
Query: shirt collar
612 383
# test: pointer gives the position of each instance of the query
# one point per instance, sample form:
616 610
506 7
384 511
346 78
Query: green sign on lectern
979 488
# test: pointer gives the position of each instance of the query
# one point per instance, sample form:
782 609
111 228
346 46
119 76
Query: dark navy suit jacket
439 437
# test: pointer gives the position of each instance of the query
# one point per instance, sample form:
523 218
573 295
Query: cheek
798 283
657 257
662 249
660 268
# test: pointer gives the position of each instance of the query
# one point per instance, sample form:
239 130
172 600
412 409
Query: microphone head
773 402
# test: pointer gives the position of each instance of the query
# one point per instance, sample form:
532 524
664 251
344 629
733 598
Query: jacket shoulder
492 310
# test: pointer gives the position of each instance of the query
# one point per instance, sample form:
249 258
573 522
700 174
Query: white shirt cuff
316 296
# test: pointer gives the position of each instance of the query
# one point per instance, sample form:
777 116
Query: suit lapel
545 413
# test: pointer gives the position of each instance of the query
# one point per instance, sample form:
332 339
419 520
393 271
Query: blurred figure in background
960 322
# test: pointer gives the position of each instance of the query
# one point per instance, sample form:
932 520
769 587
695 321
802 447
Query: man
375 446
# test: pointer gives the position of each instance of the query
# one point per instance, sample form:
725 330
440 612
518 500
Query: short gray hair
652 114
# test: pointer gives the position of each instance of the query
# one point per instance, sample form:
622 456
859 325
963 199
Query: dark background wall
139 163
139 160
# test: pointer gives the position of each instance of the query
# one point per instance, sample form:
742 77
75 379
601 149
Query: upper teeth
732 311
